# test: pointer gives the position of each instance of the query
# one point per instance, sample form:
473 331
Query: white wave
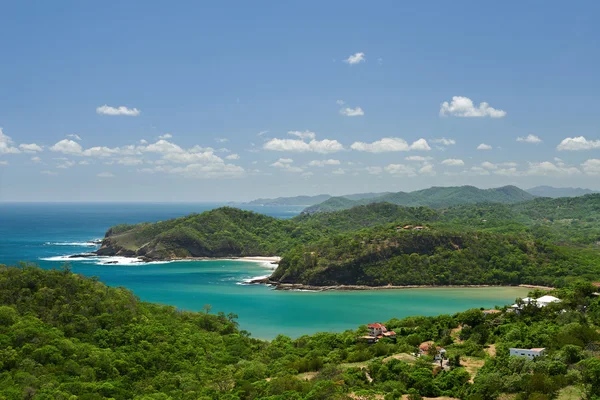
248 280
83 244
104 260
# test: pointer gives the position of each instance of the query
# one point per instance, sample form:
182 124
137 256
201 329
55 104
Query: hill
65 336
549 191
290 201
435 197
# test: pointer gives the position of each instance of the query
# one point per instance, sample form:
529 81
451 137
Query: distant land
549 191
435 197
342 203
308 200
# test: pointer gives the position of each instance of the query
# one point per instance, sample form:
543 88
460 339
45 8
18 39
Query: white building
529 353
539 302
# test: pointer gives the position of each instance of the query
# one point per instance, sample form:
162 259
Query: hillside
549 191
385 256
435 197
290 201
65 336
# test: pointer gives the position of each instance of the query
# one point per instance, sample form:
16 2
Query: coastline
300 286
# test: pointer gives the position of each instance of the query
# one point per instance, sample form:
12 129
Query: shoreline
300 286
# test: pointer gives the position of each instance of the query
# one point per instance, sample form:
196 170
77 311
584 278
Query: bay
45 233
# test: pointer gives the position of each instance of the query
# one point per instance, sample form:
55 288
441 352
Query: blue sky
238 100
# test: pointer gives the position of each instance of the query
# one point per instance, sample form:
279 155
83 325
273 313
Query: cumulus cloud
221 140
322 163
547 168
286 164
74 136
355 58
339 102
578 143
36 160
6 144
444 141
48 172
374 170
3 162
67 146
303 135
529 139
352 112
233 157
484 146
294 145
65 164
400 170
463 107
165 136
130 161
591 167
389 145
453 162
417 158
338 171
122 110
427 169
30 148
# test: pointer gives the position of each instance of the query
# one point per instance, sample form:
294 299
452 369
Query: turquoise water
45 233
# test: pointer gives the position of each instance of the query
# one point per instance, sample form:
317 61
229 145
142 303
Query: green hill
549 191
435 197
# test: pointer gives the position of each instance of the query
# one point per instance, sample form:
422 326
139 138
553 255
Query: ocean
47 233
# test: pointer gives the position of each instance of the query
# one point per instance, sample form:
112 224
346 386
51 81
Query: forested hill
538 234
549 191
66 337
435 197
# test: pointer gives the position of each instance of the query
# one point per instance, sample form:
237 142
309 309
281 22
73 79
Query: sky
231 101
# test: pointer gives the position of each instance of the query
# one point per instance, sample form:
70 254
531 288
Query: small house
378 331
425 349
528 353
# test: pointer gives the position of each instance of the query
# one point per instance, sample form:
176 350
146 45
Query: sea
46 234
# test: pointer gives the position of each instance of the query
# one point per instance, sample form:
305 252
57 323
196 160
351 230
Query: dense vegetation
435 197
63 336
543 241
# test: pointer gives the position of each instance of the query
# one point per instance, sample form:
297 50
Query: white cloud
233 157
84 162
163 147
352 112
3 162
262 133
36 160
6 146
374 170
303 135
193 158
47 172
65 164
389 145
547 168
488 165
529 139
100 151
67 146
338 171
484 146
105 175
221 140
427 169
122 110
355 58
293 145
591 167
417 158
322 163
444 141
130 161
286 164
74 136
143 141
453 162
400 170
578 143
340 102
477 171
165 136
30 148
463 107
